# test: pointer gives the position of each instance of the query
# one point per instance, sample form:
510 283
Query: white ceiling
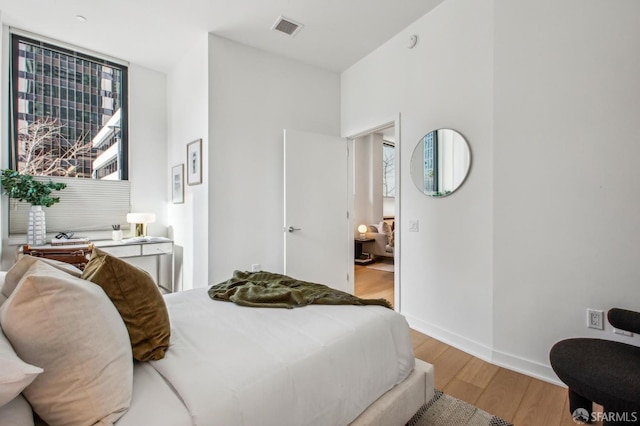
336 33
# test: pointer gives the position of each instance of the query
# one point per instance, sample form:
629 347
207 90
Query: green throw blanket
269 290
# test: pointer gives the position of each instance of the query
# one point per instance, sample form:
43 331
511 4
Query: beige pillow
384 228
15 374
70 328
17 271
138 300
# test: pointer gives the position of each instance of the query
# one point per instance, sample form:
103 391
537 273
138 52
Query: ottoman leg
580 407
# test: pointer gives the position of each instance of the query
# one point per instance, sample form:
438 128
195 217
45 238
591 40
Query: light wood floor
373 284
519 399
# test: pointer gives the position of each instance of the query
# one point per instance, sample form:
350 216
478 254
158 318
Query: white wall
254 95
188 109
547 223
446 266
367 157
147 145
567 214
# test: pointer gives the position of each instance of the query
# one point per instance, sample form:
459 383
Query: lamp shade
141 217
140 221
362 229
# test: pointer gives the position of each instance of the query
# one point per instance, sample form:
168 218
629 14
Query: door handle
291 229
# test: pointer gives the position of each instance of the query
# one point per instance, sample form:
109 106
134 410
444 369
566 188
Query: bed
234 365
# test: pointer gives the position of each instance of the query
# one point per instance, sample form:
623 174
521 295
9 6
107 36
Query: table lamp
362 229
140 220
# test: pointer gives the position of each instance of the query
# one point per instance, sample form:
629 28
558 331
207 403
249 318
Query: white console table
160 252
155 257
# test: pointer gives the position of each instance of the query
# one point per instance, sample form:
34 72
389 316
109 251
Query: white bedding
317 365
153 401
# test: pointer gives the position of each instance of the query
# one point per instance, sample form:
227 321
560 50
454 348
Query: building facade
82 95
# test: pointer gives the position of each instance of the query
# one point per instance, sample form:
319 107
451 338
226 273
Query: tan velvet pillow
70 328
138 300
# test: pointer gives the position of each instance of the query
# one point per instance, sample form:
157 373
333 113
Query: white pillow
15 374
70 328
17 271
17 412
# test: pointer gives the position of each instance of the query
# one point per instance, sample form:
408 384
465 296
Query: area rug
445 410
382 266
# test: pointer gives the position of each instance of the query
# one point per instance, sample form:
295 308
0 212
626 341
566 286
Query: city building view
69 110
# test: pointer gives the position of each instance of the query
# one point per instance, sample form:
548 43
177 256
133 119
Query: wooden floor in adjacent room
517 398
373 284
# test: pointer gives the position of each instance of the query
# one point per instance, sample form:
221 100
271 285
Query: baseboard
465 344
527 367
509 361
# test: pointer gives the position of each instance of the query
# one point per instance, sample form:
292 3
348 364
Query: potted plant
24 187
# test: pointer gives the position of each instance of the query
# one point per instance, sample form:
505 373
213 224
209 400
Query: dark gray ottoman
602 371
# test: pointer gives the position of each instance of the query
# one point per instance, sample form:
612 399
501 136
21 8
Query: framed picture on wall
177 184
194 162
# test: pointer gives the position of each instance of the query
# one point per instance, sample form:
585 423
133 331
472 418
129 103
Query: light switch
414 225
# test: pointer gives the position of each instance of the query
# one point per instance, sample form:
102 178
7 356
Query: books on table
69 241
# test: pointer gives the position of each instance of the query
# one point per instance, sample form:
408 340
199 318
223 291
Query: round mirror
440 162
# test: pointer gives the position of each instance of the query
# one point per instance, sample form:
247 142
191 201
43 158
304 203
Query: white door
316 241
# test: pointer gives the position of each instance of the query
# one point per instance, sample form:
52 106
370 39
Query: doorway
375 200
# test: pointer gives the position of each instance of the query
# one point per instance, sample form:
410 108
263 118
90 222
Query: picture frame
177 184
194 162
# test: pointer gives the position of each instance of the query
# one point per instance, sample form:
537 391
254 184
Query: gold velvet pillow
138 300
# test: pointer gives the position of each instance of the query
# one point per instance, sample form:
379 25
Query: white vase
36 228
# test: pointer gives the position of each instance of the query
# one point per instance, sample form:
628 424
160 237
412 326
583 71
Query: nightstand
360 256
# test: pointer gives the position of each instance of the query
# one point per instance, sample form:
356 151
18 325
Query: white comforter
317 365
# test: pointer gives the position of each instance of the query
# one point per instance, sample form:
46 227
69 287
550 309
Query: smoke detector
287 26
413 41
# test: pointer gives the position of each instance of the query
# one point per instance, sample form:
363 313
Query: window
68 112
388 170
68 123
430 163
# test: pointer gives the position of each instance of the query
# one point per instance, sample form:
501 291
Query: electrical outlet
256 267
595 319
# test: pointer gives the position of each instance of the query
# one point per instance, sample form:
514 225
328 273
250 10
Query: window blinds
85 205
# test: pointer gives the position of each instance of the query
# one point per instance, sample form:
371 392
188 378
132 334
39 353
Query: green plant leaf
25 188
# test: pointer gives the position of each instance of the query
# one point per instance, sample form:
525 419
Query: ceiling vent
287 26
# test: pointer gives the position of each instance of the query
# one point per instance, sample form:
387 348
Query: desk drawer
157 248
122 251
